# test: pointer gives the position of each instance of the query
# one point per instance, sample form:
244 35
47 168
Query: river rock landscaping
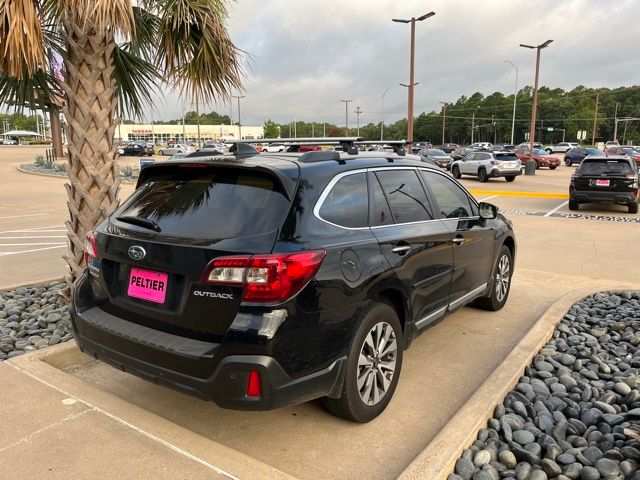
32 318
571 413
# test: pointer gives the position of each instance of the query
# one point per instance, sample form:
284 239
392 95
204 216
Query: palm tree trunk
90 113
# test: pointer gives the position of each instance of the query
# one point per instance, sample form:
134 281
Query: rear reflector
271 278
254 389
90 248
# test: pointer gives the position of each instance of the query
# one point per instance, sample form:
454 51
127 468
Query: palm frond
111 14
195 49
21 38
136 81
38 90
144 40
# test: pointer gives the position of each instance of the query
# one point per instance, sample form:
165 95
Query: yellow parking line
519 194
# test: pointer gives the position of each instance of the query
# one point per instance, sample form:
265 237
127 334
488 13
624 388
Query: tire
455 172
549 151
161 152
633 207
500 282
352 404
567 163
510 178
553 167
537 166
482 175
573 205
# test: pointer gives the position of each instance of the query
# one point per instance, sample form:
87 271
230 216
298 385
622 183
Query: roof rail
397 145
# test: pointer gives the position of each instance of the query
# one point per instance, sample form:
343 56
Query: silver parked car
562 147
177 148
486 165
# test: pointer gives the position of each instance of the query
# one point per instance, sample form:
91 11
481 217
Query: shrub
127 171
39 162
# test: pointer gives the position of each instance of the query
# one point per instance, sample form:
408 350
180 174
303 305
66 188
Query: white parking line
29 244
22 216
41 236
488 198
6 254
551 212
47 229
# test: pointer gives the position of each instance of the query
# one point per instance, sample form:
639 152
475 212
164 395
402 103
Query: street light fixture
382 115
412 21
444 118
239 122
346 116
530 167
515 99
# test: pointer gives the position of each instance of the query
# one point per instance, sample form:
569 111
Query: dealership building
161 133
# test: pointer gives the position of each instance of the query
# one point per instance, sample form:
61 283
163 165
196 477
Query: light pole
346 116
239 121
530 167
358 112
515 100
382 115
444 118
412 21
473 122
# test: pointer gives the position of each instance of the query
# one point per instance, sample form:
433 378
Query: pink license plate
602 183
148 285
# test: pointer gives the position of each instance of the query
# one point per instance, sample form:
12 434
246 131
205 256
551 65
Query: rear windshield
594 151
209 203
506 158
434 152
600 167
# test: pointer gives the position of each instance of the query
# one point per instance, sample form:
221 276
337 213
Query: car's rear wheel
500 282
573 205
552 167
455 171
633 207
161 152
549 151
373 367
567 163
510 178
482 175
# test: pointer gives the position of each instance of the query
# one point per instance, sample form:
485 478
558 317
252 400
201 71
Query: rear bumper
621 198
496 172
195 367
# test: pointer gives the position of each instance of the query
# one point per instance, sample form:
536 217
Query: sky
303 56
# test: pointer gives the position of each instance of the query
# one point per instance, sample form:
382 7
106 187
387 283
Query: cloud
305 56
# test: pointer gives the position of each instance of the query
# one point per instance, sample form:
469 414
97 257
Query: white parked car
275 147
9 141
177 148
486 165
563 147
481 145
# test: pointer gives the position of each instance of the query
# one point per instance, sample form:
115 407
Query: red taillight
254 389
271 278
90 248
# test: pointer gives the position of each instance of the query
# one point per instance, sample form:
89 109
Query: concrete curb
438 458
4 288
65 177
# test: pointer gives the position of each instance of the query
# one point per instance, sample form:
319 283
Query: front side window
452 200
347 204
406 197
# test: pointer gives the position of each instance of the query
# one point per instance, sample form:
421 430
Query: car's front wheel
482 175
573 205
552 167
161 152
510 178
455 172
567 163
500 282
373 367
549 151
633 207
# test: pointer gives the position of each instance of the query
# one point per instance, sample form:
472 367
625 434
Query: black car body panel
575 155
392 241
605 180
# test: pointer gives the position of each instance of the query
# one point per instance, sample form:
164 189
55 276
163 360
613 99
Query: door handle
401 250
458 240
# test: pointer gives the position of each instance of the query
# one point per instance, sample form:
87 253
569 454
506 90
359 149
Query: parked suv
605 180
264 281
561 147
486 165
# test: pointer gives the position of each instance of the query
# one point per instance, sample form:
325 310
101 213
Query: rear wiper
141 222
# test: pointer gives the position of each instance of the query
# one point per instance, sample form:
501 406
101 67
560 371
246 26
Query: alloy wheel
503 277
377 363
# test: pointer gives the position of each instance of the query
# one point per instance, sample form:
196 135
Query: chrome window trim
325 194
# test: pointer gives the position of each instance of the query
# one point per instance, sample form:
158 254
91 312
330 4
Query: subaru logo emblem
136 252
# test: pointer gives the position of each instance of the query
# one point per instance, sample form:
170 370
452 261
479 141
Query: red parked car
309 148
628 151
542 158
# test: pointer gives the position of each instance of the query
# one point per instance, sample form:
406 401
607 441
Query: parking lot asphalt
557 253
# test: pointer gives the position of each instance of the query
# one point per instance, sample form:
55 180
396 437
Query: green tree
115 54
271 129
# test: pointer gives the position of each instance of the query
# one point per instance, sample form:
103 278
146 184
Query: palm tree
105 58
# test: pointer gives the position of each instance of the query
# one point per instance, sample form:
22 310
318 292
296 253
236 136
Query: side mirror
488 211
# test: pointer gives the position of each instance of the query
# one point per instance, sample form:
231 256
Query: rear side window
347 203
601 167
405 195
209 203
452 200
381 214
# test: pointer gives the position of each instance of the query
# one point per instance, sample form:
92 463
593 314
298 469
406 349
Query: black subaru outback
259 281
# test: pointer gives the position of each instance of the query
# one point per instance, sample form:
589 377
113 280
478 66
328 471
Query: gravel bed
30 167
566 417
32 318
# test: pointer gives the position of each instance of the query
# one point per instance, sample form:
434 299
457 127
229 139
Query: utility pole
382 115
324 130
412 21
313 133
358 112
515 99
615 124
473 122
239 121
530 168
595 118
493 122
295 128
346 116
444 118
